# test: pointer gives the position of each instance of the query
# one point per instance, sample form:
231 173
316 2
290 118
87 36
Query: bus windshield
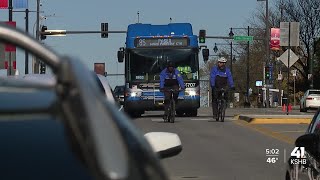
146 64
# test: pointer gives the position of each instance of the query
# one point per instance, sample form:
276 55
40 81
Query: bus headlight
191 93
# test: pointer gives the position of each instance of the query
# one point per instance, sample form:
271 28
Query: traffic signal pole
63 32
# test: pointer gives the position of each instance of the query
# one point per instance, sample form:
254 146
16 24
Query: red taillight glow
309 98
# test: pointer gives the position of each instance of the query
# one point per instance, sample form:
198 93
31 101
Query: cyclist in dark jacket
220 77
170 78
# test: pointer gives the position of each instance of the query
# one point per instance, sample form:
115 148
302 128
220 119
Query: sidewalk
263 115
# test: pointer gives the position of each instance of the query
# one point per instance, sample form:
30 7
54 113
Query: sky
216 16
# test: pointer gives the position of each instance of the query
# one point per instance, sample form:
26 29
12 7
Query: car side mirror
164 144
310 142
120 56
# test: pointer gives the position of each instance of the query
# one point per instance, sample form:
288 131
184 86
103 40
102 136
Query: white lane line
190 119
157 120
201 119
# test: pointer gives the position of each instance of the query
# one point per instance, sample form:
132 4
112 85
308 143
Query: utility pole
10 54
231 57
36 63
26 66
267 49
248 69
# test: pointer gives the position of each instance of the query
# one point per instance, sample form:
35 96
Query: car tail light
309 98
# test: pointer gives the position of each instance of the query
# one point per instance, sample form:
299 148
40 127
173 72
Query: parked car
68 130
310 100
119 92
306 167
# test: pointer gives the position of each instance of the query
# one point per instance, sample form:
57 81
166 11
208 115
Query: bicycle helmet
222 59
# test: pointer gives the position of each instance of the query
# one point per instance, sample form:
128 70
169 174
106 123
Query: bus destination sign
161 42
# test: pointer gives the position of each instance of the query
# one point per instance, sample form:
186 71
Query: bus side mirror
205 54
120 56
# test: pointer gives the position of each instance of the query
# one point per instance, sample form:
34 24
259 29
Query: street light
215 49
231 34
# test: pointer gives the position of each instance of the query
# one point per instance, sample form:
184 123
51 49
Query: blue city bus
148 48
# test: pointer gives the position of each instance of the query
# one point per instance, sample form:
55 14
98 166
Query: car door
309 171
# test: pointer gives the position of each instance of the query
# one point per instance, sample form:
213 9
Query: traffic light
104 27
42 68
202 36
267 72
205 54
43 29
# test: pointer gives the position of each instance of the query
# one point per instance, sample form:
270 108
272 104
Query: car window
314 93
315 123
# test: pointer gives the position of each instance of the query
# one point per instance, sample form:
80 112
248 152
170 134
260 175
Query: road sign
294 33
243 38
294 72
284 58
279 77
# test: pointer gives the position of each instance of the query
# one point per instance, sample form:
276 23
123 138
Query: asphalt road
233 149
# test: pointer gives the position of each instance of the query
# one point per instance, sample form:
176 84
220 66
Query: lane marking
200 119
290 131
157 120
266 132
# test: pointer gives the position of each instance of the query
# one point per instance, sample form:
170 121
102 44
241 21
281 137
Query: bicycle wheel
219 110
223 110
168 113
172 111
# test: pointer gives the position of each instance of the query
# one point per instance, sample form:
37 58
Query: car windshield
146 64
314 93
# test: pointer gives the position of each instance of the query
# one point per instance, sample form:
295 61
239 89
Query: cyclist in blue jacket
220 77
170 78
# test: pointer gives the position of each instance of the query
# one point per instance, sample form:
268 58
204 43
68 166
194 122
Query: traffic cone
289 107
284 108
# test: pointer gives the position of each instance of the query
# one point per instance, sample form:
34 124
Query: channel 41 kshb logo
298 156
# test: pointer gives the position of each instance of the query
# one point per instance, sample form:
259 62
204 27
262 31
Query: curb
274 120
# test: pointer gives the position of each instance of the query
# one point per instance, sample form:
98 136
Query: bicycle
222 105
172 106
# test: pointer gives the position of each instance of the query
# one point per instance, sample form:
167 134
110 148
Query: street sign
243 38
294 33
258 83
284 58
294 72
279 77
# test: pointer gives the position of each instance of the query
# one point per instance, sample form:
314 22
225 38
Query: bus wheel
180 113
192 113
134 114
